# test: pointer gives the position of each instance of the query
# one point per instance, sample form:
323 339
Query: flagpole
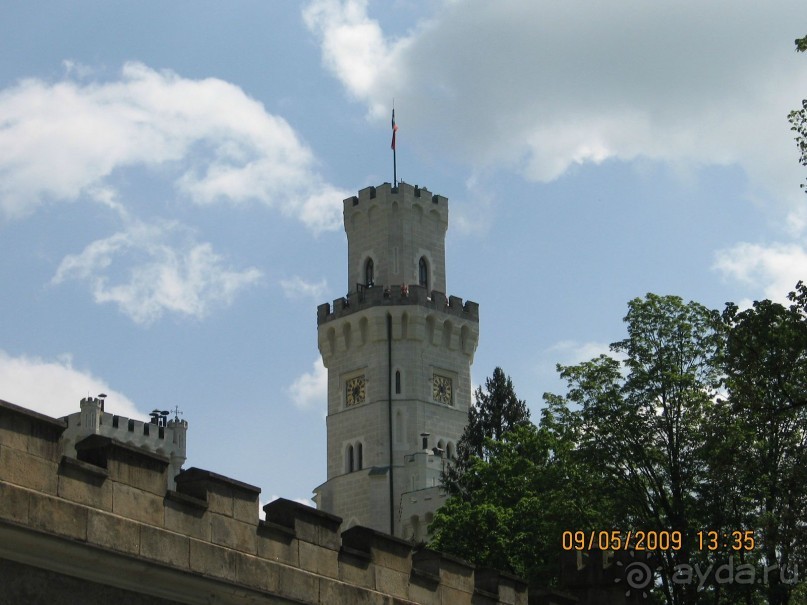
394 156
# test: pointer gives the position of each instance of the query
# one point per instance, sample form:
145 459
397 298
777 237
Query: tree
765 364
798 117
697 422
497 411
510 510
643 420
516 488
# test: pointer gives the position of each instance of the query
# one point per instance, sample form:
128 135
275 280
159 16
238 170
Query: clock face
355 390
441 389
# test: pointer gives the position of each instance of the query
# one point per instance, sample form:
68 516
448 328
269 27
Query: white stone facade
398 354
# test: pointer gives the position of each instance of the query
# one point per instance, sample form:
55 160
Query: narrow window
397 382
423 272
399 427
359 453
369 273
349 461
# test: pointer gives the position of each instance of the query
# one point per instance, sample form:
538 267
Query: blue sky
171 177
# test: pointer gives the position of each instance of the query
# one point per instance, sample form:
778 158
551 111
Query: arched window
369 274
349 459
397 382
359 452
450 451
423 272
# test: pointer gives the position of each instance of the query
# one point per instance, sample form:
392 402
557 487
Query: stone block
141 472
164 546
13 503
392 556
318 559
383 549
29 431
246 509
356 570
392 582
456 573
233 534
28 470
57 516
298 585
449 595
309 524
115 533
277 544
223 495
137 504
512 590
85 484
187 520
331 591
212 560
427 594
14 431
258 573
220 500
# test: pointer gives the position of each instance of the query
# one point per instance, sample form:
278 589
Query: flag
394 130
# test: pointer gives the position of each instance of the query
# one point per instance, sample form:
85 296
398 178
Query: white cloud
55 388
774 269
353 45
310 389
571 352
185 278
61 141
542 86
297 287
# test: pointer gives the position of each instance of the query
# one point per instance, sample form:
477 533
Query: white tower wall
398 355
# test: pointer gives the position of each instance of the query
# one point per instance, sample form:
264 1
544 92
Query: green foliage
766 375
644 418
697 421
496 412
515 488
798 117
798 124
511 509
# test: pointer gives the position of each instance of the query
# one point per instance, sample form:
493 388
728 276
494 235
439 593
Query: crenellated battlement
160 436
386 192
104 521
443 322
366 298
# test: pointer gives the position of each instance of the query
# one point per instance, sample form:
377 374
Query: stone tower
398 354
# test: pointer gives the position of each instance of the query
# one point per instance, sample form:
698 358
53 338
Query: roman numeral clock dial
441 389
355 390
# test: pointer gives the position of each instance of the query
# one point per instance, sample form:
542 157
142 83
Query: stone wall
101 528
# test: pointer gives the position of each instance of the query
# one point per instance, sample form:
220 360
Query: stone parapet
366 298
105 518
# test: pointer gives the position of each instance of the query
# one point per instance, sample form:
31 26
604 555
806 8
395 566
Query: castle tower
398 354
